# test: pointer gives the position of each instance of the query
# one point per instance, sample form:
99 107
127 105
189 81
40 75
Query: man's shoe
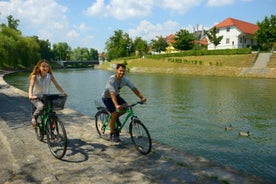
115 138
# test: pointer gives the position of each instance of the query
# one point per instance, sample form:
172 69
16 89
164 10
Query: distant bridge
78 64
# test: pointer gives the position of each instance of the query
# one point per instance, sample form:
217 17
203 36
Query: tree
212 36
60 51
119 45
94 55
183 40
44 48
140 46
159 44
12 23
266 35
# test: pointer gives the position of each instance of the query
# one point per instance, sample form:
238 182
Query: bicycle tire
56 137
101 119
140 137
39 130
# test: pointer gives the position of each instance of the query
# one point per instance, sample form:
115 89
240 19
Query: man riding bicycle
112 99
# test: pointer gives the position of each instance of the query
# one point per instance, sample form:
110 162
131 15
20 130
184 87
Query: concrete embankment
90 159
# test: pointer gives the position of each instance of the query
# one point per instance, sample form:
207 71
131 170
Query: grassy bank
236 65
216 65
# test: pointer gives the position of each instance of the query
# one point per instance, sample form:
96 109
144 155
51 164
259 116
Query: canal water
190 113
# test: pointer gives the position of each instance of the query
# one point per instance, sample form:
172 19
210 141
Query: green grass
216 65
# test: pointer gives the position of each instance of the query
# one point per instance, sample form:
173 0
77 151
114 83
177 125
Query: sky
90 23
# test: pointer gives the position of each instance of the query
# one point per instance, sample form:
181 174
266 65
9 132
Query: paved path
90 159
262 60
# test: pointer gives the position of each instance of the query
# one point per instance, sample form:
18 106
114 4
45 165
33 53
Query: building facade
236 34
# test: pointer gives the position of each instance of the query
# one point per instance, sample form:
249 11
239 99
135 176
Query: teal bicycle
50 125
138 132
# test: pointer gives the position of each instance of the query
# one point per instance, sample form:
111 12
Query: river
190 113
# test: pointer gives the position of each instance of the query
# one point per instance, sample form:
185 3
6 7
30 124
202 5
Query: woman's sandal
34 123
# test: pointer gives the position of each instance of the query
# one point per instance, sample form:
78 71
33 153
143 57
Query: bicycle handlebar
132 105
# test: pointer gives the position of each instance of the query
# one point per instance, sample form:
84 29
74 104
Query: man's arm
139 94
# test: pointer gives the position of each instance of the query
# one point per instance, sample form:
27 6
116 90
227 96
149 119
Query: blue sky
89 23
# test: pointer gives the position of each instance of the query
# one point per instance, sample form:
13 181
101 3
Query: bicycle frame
139 134
45 116
129 115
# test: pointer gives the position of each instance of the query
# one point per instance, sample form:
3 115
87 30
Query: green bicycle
51 126
138 132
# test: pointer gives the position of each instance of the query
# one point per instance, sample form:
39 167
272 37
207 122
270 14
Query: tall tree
159 44
212 36
184 40
94 55
266 35
119 45
60 51
140 46
12 23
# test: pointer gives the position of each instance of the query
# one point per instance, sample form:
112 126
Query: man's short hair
120 65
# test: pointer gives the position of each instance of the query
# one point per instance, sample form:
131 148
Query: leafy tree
159 44
44 48
28 51
184 40
94 55
266 35
212 36
60 51
12 23
119 45
140 45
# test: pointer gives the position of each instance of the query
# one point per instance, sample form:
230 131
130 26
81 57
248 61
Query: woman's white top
42 85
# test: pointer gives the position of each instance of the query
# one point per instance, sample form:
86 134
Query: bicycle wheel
101 122
39 130
56 137
140 136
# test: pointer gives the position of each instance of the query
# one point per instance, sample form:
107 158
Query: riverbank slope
90 159
214 65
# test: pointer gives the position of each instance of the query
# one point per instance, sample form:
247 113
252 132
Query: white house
236 34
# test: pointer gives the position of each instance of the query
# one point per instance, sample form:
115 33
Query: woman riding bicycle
40 80
112 100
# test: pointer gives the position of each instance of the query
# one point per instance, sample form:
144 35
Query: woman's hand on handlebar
63 94
33 97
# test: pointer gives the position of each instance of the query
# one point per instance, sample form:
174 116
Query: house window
227 40
217 30
240 40
228 29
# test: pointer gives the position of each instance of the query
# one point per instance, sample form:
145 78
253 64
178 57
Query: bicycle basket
57 101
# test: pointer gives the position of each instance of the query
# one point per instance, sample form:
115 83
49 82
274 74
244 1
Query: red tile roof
170 38
243 26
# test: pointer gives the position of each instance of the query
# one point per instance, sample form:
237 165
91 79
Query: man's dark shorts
110 105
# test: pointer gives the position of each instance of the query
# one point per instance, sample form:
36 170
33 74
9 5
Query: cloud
212 3
180 6
45 16
120 9
149 31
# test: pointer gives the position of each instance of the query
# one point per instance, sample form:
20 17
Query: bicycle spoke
56 137
140 137
101 122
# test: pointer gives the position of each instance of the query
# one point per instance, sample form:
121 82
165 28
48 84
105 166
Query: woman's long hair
36 69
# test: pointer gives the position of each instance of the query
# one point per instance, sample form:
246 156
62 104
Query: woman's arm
31 86
59 88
